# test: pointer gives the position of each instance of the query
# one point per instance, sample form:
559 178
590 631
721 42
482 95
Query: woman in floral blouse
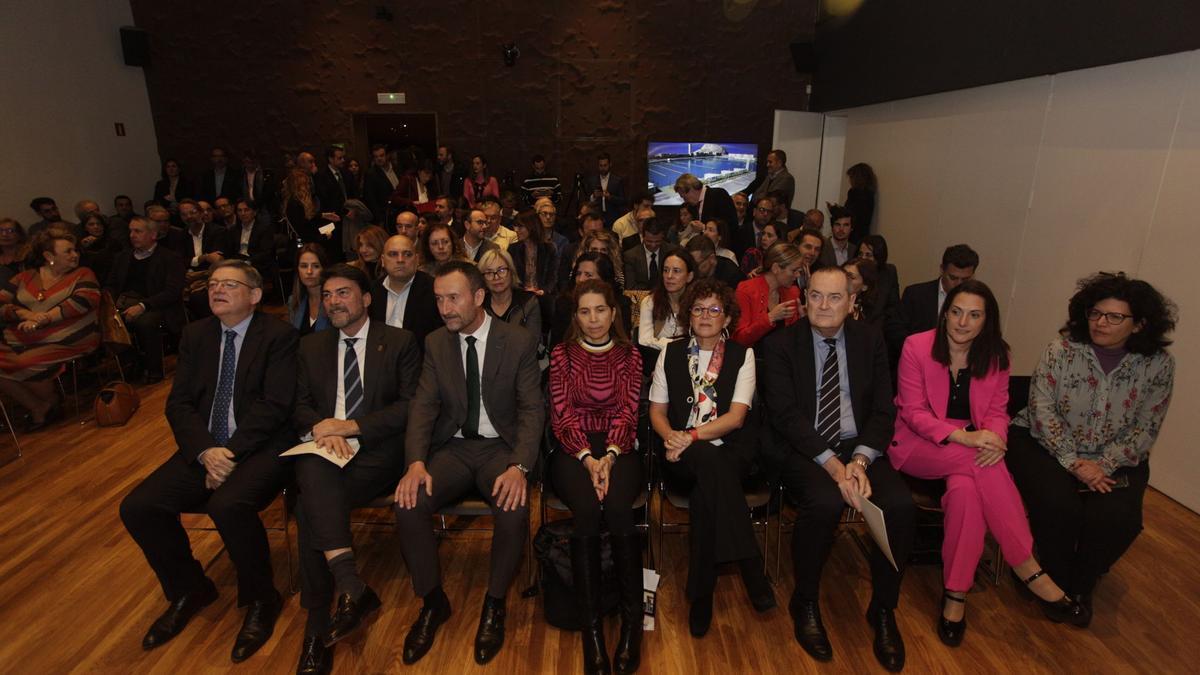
1080 452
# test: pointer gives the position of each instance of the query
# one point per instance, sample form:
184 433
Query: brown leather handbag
115 404
113 331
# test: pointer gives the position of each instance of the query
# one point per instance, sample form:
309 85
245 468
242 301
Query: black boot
585 569
627 556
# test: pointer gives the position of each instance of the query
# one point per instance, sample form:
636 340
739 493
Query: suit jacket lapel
938 392
855 365
330 384
459 374
250 346
373 365
806 371
494 355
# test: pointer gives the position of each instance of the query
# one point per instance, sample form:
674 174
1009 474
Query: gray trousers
459 468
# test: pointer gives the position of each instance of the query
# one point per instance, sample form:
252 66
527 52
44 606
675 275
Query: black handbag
552 548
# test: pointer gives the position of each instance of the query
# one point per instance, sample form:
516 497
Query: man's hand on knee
509 489
414 478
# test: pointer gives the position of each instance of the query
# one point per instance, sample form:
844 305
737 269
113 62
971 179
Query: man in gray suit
644 261
777 178
475 425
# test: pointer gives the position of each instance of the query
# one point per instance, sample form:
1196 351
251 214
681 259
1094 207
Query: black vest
679 389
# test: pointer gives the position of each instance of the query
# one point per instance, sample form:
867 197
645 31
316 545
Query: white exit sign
390 97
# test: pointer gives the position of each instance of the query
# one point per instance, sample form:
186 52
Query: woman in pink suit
952 423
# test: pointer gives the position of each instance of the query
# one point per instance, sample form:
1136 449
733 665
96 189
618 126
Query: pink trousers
977 499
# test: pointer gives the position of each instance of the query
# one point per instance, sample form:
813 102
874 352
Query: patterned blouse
592 392
1076 411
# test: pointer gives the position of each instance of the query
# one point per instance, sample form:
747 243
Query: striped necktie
351 380
829 404
219 425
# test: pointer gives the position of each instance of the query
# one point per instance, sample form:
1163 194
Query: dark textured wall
892 50
593 74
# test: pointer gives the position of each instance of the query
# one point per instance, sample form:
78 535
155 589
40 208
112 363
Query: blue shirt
848 428
240 329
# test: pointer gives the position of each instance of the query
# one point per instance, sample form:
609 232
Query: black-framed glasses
715 311
498 273
1113 318
227 284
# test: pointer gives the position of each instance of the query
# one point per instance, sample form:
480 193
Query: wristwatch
861 461
521 467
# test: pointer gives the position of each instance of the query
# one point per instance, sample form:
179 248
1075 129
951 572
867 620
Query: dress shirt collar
388 285
481 333
241 327
362 332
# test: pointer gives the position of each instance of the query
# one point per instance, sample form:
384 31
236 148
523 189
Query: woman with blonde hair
302 213
506 299
369 244
607 243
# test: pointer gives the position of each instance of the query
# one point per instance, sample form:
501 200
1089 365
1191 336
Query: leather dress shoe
351 614
810 632
424 629
315 657
257 627
951 632
490 636
889 646
173 621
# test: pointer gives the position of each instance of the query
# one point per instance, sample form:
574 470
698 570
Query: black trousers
151 515
461 467
720 529
327 495
1078 535
146 328
820 507
573 485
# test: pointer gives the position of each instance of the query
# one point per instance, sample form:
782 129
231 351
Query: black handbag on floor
552 547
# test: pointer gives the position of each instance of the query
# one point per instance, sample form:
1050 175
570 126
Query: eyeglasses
1113 318
227 284
764 209
715 311
497 273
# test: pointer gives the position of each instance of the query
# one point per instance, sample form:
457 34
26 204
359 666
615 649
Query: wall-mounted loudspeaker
804 56
135 46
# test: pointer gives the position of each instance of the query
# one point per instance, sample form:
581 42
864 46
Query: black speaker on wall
135 46
804 56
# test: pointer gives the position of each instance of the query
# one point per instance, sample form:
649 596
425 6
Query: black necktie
337 175
471 426
829 404
653 266
351 381
224 397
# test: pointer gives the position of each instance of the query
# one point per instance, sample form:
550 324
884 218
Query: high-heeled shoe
951 632
1064 610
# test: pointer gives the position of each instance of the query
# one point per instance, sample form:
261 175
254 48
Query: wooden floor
76 594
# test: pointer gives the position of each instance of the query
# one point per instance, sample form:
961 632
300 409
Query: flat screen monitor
731 166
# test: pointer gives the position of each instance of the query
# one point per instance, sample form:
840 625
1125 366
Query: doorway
409 137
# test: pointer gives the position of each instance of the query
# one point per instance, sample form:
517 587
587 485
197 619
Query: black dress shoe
490 636
315 657
700 616
889 646
810 632
424 629
1064 610
257 627
172 621
951 632
351 614
758 588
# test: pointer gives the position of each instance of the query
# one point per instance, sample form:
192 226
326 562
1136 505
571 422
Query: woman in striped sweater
595 379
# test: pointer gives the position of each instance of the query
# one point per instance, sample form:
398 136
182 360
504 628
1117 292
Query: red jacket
754 301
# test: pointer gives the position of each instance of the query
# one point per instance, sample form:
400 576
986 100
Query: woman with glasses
952 425
1080 452
505 298
49 315
772 299
699 402
595 380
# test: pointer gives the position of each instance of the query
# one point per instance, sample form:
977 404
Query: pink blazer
923 392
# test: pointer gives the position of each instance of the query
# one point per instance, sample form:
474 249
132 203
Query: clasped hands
851 480
675 443
1090 474
218 462
599 470
331 434
990 446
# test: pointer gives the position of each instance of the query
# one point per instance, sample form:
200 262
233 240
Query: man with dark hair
590 221
605 189
251 239
761 215
257 184
810 242
47 211
643 263
828 392
814 218
626 226
147 282
921 303
475 241
404 297
219 180
359 418
449 176
228 409
838 248
381 180
709 203
334 184
540 183
200 246
444 206
118 222
791 218
777 178
226 214
711 265
479 435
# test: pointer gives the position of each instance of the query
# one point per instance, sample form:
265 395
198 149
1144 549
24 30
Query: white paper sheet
878 527
311 448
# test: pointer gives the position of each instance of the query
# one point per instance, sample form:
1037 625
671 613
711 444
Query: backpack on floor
552 547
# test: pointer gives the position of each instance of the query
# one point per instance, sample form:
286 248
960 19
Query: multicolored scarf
704 385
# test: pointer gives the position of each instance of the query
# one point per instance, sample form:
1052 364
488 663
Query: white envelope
311 448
